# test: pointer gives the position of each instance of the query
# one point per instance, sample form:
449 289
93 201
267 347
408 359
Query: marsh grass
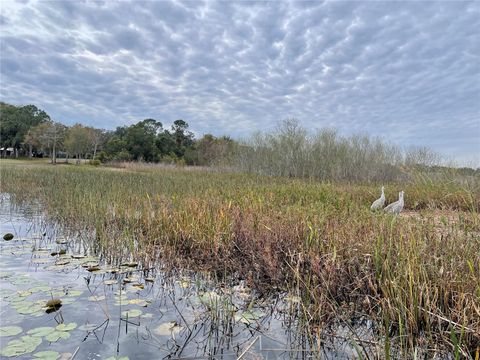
417 275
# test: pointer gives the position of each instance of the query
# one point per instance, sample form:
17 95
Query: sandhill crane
397 206
378 204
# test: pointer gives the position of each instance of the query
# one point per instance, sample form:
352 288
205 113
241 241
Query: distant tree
165 143
421 156
210 150
31 139
15 121
49 136
97 138
78 141
141 138
182 136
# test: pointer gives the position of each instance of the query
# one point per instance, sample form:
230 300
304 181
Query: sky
408 72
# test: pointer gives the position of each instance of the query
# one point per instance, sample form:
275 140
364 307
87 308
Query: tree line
29 131
289 150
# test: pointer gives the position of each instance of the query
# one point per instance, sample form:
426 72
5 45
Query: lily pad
110 282
167 328
66 327
249 316
10 330
131 313
41 331
62 262
40 288
94 268
97 298
56 335
210 298
150 279
24 345
139 302
74 293
88 327
46 355
26 308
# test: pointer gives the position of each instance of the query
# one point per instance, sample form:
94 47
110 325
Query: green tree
210 150
182 136
15 121
49 136
78 141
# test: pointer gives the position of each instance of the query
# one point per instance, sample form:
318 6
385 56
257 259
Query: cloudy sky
406 71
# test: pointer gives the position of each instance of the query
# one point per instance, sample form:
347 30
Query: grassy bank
417 274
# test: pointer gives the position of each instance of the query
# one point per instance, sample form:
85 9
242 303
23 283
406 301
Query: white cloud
406 71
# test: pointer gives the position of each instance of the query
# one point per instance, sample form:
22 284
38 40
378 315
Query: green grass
417 274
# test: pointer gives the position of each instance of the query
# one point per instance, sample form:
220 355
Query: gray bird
379 203
397 206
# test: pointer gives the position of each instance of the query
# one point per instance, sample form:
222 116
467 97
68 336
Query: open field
417 275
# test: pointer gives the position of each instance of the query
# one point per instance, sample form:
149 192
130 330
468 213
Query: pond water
130 313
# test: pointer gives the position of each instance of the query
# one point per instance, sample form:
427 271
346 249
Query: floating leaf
97 298
249 316
27 308
41 331
88 327
10 330
46 355
138 286
67 301
110 282
131 313
24 345
62 262
147 315
74 293
56 335
210 298
150 279
168 328
139 302
94 268
66 327
40 288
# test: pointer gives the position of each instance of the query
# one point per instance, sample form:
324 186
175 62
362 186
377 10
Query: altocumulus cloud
406 71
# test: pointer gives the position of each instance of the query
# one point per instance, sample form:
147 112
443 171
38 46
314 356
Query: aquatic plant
416 275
